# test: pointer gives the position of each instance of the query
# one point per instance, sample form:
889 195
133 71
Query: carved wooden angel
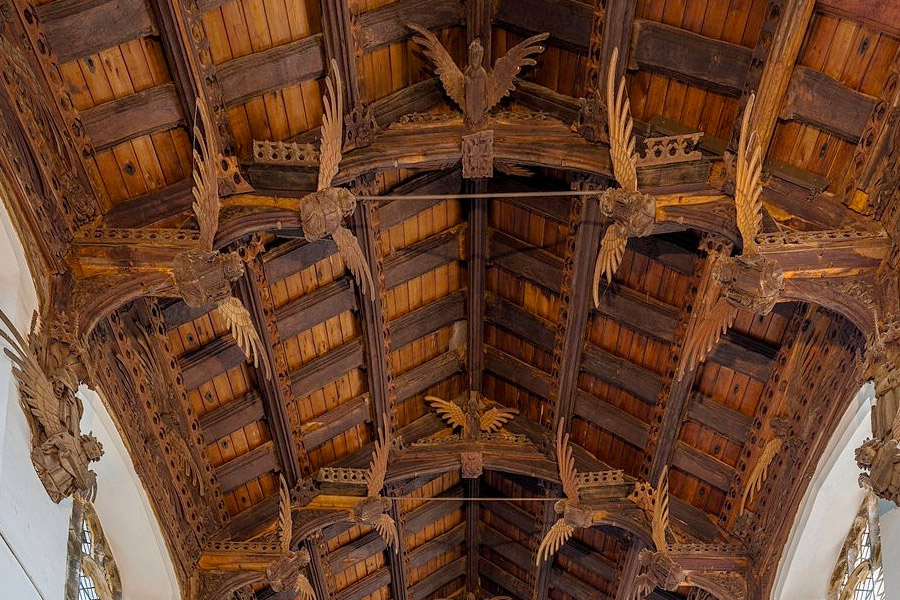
473 416
749 281
322 212
631 212
47 385
659 570
203 275
572 512
476 90
373 510
881 458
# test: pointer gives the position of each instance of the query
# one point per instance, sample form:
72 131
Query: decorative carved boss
879 458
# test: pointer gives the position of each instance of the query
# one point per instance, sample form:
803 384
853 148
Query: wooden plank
525 260
638 312
731 423
146 209
571 585
177 313
517 372
79 28
387 24
637 381
712 64
394 212
327 368
882 15
612 419
744 355
816 99
519 321
432 372
590 559
504 579
334 422
369 584
421 257
259 72
439 578
153 109
435 548
294 257
246 467
231 417
210 360
316 307
476 267
427 319
512 514
506 547
355 551
702 466
567 21
433 510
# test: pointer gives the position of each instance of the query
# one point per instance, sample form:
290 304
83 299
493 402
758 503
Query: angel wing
206 203
451 412
352 254
612 249
661 512
35 387
643 585
332 128
553 541
285 521
895 427
378 467
304 588
387 529
244 333
508 66
747 186
493 419
567 472
451 77
621 140
760 471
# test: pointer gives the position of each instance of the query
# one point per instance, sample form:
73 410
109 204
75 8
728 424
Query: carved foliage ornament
478 154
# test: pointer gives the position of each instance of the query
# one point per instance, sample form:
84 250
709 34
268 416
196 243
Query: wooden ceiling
489 294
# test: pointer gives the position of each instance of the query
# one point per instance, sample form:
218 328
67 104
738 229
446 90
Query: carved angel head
91 447
476 53
865 454
322 213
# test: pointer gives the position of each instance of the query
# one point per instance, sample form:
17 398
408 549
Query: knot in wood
633 211
203 277
321 213
752 282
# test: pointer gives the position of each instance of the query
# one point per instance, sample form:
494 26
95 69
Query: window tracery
858 572
92 571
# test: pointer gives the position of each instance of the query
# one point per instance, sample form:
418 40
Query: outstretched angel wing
760 471
206 192
35 387
304 588
747 185
387 529
621 140
285 521
508 66
352 254
661 512
612 249
643 585
239 322
553 541
494 418
451 412
378 467
567 472
452 78
332 128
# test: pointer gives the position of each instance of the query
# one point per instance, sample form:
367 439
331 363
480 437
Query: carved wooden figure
322 213
749 281
573 513
45 368
229 567
472 415
630 212
203 276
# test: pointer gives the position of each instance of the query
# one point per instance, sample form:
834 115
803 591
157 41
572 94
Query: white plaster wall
889 521
125 513
827 510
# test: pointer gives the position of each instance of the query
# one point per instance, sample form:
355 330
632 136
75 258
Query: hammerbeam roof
471 294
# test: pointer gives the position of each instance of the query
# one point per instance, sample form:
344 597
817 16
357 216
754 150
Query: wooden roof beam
617 26
427 319
340 45
568 22
503 578
329 367
246 467
336 421
439 578
369 584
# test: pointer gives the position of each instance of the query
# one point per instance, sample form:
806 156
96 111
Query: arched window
92 571
858 574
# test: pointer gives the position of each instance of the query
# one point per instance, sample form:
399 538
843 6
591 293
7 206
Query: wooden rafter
340 42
